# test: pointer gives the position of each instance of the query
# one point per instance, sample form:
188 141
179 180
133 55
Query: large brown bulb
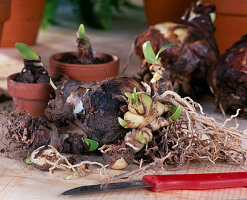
187 65
228 78
96 106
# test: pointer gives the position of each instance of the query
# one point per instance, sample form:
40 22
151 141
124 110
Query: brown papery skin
103 102
85 52
187 64
228 78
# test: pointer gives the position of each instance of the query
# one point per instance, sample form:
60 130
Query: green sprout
26 51
81 32
163 49
129 95
92 144
122 122
132 96
140 137
149 54
52 84
176 112
28 161
135 96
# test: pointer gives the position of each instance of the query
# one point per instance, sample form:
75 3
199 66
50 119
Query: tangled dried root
13 142
206 139
47 158
194 136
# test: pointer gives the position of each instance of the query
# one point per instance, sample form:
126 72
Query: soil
33 72
72 59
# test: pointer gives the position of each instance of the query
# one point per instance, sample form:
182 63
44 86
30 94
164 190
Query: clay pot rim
54 58
19 90
12 79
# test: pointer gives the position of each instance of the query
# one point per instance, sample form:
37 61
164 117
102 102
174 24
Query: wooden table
19 181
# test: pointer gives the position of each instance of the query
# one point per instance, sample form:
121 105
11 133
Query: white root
229 119
61 162
147 87
178 98
213 141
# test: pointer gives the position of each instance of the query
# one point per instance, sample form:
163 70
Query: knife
158 183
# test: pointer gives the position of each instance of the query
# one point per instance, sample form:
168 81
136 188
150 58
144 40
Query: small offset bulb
119 164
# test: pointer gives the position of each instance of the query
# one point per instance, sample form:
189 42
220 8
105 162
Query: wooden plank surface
21 182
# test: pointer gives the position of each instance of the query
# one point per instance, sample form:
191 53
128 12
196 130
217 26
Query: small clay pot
4 14
85 72
23 25
231 21
29 97
158 11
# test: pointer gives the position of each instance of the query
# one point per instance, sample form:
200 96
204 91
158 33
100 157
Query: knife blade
107 187
158 183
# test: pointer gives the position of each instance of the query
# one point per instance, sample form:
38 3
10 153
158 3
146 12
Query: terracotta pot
29 97
231 21
165 10
90 72
24 22
4 13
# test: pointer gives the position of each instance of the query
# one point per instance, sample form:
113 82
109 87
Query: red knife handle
196 181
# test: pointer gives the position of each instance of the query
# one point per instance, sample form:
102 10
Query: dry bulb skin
85 52
187 65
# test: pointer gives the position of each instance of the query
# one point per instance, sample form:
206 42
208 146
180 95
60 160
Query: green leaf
148 53
26 51
129 95
163 49
135 96
140 137
122 122
87 143
92 144
176 112
81 32
52 84
28 161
